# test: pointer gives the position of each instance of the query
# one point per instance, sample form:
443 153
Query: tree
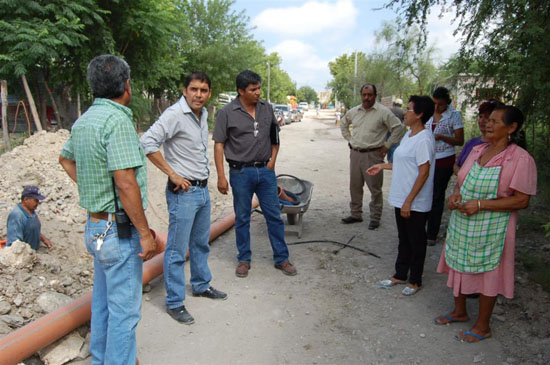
307 93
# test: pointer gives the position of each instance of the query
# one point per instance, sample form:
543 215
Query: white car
304 105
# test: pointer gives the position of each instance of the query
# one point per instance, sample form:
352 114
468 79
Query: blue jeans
262 181
189 228
116 299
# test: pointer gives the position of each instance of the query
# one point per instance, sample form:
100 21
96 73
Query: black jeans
411 251
442 176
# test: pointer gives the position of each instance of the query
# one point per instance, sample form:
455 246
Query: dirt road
332 311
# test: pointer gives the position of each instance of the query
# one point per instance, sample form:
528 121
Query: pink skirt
492 283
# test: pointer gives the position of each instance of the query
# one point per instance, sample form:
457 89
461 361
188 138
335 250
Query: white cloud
311 18
302 63
441 29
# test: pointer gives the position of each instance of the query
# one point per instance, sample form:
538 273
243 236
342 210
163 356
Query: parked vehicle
280 117
304 105
295 116
286 112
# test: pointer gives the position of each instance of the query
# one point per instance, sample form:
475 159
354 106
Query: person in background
485 109
411 193
364 127
494 183
448 130
397 110
23 223
183 130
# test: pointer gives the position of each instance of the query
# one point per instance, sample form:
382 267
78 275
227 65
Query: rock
5 307
4 328
50 301
511 360
62 351
479 357
18 300
499 317
14 321
85 349
18 256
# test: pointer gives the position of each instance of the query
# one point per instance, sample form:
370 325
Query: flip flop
448 318
387 283
461 336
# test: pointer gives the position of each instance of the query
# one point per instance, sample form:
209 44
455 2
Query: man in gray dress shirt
247 133
183 130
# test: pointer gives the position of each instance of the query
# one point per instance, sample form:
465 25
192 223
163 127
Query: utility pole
268 81
355 79
4 87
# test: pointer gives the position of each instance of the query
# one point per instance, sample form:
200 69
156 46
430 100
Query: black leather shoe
374 225
350 219
181 315
212 294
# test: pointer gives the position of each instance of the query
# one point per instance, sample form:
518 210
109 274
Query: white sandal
387 283
410 291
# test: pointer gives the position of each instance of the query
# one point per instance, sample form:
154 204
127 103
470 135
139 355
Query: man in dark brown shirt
248 134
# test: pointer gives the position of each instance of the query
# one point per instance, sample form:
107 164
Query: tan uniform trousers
359 163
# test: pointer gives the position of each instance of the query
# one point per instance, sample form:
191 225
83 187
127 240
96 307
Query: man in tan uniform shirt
365 127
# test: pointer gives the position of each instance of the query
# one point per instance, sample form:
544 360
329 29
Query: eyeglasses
255 129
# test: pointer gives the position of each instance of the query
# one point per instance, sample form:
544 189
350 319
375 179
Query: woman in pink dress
496 180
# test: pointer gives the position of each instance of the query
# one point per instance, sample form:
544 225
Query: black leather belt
239 165
362 150
200 183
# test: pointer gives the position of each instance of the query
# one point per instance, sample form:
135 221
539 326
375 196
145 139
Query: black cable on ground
338 243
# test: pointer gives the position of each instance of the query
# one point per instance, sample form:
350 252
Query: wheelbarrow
294 213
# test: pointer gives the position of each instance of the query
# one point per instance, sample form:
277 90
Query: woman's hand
469 208
454 201
406 210
374 169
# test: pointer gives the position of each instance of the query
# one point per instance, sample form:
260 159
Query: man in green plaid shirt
103 150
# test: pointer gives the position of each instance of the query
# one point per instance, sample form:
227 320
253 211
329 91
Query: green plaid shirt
103 140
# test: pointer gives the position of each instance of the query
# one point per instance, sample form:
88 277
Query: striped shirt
103 140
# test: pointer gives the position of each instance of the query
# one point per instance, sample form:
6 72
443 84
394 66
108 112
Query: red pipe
22 343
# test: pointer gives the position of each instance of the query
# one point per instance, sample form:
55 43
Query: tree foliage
52 41
398 66
307 93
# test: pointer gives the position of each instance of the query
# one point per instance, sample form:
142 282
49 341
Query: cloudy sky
307 34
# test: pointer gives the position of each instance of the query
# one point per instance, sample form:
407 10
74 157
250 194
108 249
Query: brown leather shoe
242 269
287 268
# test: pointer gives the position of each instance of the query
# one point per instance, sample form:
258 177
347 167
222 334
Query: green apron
474 244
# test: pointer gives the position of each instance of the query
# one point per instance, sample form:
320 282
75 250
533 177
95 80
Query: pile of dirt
35 162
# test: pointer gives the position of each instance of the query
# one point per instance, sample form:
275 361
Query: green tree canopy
307 93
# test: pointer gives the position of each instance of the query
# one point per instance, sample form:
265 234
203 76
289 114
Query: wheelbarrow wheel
291 219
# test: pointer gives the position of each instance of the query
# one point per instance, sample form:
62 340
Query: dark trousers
442 176
411 251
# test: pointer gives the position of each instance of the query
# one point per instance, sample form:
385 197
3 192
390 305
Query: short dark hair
510 116
107 75
423 104
442 93
199 76
246 78
488 106
367 85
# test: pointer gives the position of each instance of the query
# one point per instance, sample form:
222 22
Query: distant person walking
365 127
183 130
103 156
247 134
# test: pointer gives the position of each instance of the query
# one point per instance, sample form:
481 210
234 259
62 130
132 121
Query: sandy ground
332 311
